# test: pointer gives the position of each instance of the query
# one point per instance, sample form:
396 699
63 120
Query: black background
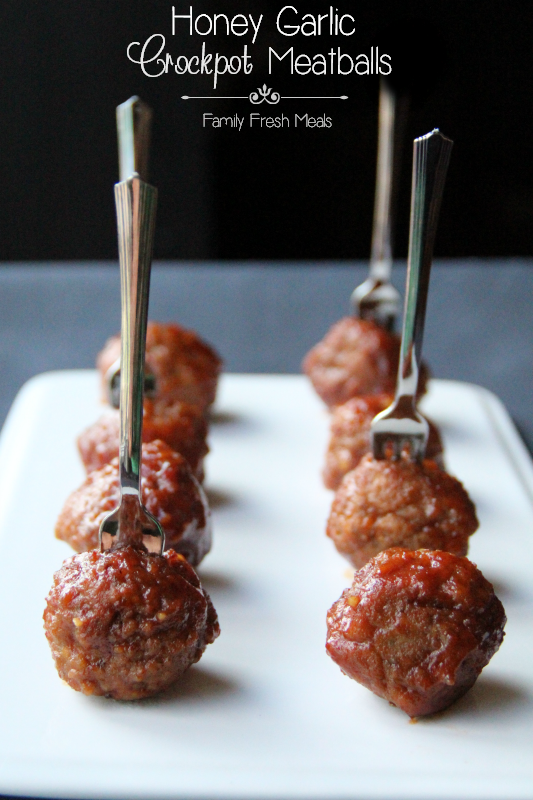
261 194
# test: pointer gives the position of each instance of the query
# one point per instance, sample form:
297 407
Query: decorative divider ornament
262 94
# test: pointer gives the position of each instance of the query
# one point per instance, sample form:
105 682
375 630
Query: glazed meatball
186 369
403 503
416 627
126 623
182 426
356 357
350 436
169 491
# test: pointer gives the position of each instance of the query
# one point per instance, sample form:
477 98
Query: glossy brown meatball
169 491
355 357
126 623
382 504
182 426
350 436
416 627
186 368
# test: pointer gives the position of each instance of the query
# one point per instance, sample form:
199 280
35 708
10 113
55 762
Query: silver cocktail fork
400 427
131 523
377 299
134 122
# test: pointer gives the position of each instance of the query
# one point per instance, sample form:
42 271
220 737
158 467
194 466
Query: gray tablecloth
264 317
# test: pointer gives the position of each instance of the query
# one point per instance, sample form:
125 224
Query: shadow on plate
225 422
216 582
489 697
218 498
224 418
508 593
198 684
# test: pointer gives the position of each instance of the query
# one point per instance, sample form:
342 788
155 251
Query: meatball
355 357
416 627
169 491
126 623
185 367
350 436
182 426
403 503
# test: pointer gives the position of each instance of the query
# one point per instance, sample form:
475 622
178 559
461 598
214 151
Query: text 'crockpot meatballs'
350 436
126 623
185 367
402 503
355 357
416 627
168 490
182 426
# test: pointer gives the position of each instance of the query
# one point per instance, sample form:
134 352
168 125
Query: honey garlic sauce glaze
169 491
385 503
126 623
416 627
355 357
185 367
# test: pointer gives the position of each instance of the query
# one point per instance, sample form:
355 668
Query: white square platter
265 714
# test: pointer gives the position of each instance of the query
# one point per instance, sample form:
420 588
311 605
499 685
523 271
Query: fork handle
381 254
431 156
136 209
134 122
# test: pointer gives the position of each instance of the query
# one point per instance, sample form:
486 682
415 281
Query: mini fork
377 299
400 429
